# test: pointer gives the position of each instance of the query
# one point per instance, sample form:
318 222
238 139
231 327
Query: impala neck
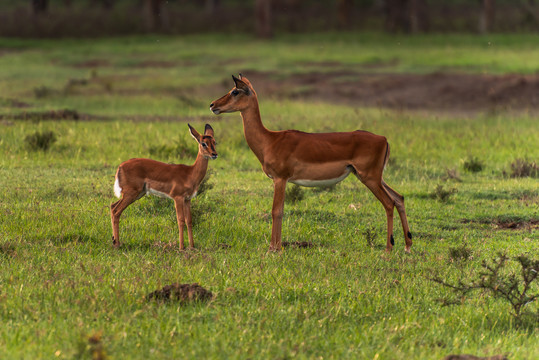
200 167
256 134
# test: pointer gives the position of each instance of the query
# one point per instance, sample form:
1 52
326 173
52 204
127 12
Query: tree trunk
344 11
156 18
40 6
396 14
263 19
212 6
486 18
406 15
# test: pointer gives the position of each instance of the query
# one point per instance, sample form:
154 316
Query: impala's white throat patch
117 188
321 183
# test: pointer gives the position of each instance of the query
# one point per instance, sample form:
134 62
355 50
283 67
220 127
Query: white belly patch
157 193
321 183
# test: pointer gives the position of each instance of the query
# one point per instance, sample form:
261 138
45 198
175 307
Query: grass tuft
473 165
442 194
524 168
294 194
370 236
461 253
40 140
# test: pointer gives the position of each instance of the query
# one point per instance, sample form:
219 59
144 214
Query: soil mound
183 293
473 357
298 244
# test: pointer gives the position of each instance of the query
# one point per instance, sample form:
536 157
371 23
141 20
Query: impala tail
117 188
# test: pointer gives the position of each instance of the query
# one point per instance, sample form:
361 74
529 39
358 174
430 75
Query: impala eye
235 92
204 145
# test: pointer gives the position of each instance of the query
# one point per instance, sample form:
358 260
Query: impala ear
194 133
208 130
240 84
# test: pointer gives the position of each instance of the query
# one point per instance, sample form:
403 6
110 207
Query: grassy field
66 293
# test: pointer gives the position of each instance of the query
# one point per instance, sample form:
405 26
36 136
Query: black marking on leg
409 235
392 240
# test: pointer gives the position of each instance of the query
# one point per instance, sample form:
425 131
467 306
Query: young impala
313 159
138 177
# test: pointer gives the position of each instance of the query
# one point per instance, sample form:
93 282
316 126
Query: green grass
61 281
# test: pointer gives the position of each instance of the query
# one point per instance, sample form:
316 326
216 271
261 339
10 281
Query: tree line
406 16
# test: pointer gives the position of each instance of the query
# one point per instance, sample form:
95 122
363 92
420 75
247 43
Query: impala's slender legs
399 204
388 203
180 217
188 221
279 187
116 210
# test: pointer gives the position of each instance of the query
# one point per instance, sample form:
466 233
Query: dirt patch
435 91
92 63
298 244
517 225
183 293
506 223
14 103
473 357
64 114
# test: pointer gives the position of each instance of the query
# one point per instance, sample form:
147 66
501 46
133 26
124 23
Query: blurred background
92 18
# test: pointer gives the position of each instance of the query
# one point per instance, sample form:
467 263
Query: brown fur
291 155
137 177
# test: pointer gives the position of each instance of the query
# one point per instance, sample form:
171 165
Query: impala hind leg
180 217
188 222
116 210
387 201
279 187
399 204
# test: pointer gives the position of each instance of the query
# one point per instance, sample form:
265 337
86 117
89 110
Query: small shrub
43 92
294 194
452 174
461 252
524 168
40 140
91 347
473 164
516 288
442 194
370 236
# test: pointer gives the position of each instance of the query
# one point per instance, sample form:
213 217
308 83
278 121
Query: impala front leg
188 221
178 204
279 187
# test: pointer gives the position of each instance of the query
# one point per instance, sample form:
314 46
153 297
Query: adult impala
138 177
313 159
